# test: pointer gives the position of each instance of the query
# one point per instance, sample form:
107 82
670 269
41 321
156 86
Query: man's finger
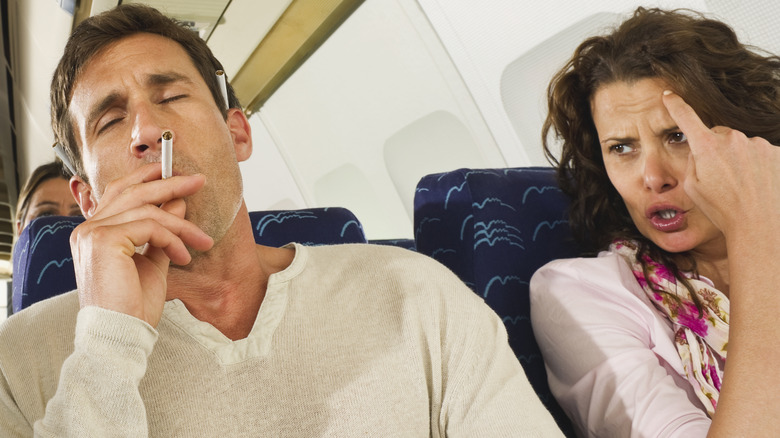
685 117
119 197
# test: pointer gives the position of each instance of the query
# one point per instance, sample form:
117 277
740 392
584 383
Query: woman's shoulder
604 269
587 283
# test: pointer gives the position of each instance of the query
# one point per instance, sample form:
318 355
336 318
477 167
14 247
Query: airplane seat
403 243
494 228
43 264
310 226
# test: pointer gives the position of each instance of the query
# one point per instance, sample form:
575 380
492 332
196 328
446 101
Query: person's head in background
726 82
46 193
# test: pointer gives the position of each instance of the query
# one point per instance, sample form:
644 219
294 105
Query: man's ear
82 192
241 132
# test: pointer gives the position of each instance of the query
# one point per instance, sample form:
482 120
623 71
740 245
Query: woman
46 193
667 128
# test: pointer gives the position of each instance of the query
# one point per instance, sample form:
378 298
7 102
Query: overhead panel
244 24
200 15
301 29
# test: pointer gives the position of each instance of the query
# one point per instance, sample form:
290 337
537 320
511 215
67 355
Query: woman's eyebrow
617 139
46 204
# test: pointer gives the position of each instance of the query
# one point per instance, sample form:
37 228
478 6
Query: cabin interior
351 102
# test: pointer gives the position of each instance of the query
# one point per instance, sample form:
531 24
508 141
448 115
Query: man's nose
146 137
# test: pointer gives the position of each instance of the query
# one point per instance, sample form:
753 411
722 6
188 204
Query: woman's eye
44 213
620 149
678 137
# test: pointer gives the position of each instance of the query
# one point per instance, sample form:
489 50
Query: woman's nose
658 172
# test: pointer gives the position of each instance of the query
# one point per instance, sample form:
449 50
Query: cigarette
223 87
60 152
167 154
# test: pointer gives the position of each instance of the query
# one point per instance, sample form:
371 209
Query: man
182 326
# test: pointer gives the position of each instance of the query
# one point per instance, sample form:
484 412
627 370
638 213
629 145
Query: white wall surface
42 28
381 75
483 38
390 95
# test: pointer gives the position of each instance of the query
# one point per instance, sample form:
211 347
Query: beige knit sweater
351 340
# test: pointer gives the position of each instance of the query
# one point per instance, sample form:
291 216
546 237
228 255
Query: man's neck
226 285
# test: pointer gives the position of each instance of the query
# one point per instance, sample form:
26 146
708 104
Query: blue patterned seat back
42 262
401 243
312 226
494 228
43 265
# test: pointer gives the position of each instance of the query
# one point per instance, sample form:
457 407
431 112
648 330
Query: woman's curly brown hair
726 82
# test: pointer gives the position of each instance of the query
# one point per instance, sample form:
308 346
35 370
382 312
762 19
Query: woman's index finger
685 117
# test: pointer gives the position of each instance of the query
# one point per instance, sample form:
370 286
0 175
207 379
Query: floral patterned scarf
699 339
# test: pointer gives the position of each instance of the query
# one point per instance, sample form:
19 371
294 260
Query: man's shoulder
389 271
361 250
386 258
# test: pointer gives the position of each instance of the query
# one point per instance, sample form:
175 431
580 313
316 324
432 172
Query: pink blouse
610 356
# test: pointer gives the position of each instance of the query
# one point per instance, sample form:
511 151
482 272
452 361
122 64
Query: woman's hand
735 180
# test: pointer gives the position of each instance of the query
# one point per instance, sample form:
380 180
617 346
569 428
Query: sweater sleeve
98 391
611 363
486 392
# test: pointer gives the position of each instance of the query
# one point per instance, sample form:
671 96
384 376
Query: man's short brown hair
95 34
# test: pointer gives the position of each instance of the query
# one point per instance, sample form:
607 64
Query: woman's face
51 198
646 157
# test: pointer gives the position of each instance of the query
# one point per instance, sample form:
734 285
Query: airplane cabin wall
410 87
375 108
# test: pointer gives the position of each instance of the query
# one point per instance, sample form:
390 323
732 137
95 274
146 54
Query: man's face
133 90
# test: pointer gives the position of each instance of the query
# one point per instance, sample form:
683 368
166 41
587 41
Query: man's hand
733 179
109 271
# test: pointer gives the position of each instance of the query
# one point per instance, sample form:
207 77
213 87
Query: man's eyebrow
104 104
157 79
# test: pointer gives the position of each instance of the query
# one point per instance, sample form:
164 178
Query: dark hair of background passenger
40 175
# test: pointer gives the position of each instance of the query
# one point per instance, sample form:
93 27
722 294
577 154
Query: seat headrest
43 264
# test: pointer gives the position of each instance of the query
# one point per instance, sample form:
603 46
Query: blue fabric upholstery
313 226
42 262
401 243
43 265
494 228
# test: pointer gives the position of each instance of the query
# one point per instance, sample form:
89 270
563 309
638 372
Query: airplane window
434 143
348 186
524 80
